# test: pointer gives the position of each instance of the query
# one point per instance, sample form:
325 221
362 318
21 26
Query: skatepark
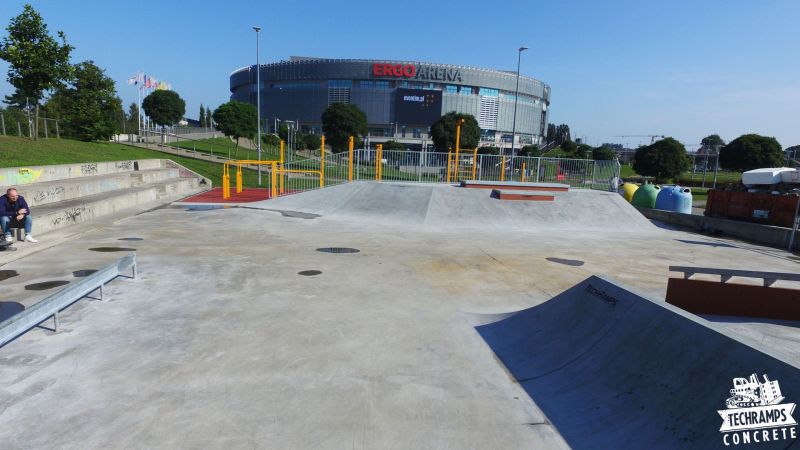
385 315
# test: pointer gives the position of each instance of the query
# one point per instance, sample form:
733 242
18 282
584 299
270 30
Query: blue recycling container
675 198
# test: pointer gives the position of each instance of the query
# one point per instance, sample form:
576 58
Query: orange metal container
756 207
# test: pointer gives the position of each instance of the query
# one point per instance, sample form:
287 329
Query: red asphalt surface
215 196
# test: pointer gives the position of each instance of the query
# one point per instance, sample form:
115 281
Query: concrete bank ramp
612 369
443 206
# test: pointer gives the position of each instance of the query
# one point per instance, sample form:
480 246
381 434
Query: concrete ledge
515 194
515 185
762 234
18 176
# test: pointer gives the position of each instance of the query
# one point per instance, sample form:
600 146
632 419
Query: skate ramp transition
444 206
612 369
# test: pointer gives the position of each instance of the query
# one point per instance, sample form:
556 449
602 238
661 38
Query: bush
749 152
603 153
530 150
664 160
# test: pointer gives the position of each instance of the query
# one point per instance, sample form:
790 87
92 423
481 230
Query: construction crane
651 136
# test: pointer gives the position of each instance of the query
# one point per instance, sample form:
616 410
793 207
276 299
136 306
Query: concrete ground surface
221 343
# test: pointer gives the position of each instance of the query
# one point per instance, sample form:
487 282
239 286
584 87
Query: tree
443 131
665 159
530 150
89 107
340 121
488 150
393 145
164 107
751 151
583 151
551 133
271 140
712 142
202 116
132 118
313 141
569 148
603 153
37 62
236 120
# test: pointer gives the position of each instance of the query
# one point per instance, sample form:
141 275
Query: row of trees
81 96
667 159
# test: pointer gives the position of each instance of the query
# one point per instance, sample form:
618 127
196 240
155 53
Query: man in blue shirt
15 213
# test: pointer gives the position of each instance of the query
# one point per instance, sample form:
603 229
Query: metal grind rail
769 278
51 305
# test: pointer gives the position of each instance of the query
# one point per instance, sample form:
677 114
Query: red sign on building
394 70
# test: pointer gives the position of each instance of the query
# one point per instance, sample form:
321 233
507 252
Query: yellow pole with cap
522 175
322 162
239 178
474 162
503 170
380 162
226 182
281 168
457 163
449 164
350 146
273 188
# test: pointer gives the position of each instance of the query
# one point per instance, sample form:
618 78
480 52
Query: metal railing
50 306
769 278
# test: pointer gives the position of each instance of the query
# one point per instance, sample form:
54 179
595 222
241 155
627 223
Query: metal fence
432 167
17 123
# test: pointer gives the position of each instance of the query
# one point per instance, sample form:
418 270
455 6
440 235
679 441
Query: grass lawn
20 152
224 146
722 177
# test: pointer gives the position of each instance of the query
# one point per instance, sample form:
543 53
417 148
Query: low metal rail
726 274
50 306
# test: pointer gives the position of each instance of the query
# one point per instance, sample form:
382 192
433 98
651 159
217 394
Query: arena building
400 98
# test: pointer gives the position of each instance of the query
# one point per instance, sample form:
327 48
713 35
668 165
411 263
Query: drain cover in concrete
338 250
112 249
45 285
6 274
309 273
83 273
568 262
130 239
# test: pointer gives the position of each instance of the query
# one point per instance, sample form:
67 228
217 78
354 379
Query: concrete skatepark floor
221 342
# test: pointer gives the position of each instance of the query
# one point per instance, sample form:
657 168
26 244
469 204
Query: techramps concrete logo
755 413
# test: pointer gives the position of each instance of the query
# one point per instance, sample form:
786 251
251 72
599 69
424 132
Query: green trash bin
646 196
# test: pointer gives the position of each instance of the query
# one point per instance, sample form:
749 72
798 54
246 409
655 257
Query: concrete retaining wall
762 234
18 176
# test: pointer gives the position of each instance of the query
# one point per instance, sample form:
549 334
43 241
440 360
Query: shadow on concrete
710 244
45 285
6 274
8 309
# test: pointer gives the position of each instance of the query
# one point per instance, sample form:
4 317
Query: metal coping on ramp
515 185
515 194
51 305
612 369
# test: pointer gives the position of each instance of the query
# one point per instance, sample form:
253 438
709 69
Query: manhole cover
568 262
45 285
130 239
83 273
112 249
338 250
6 274
309 273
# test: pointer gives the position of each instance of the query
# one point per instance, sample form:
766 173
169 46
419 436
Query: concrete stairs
65 195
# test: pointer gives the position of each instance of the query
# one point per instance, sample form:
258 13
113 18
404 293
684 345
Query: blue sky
618 67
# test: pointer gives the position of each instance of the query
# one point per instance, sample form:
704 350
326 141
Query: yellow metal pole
380 162
281 168
474 162
273 189
449 164
226 182
457 163
239 178
522 175
377 161
503 170
350 147
322 162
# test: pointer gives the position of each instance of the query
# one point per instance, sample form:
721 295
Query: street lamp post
516 94
258 103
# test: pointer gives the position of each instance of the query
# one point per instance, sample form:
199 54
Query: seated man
15 213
